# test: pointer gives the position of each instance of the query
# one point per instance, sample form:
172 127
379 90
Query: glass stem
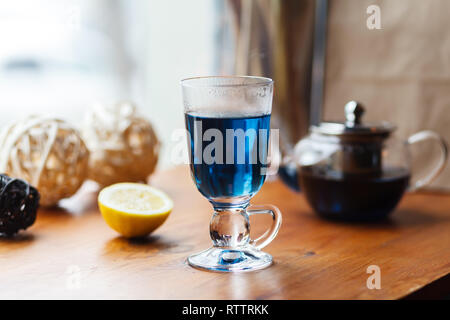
230 227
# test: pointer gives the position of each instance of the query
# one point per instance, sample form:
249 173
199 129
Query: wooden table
72 253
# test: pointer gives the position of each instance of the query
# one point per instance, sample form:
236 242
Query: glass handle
271 233
430 135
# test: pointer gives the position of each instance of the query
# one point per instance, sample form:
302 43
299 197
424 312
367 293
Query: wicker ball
123 145
48 153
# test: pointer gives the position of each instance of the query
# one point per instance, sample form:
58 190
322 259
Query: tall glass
228 121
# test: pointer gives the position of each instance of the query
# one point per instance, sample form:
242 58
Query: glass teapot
358 171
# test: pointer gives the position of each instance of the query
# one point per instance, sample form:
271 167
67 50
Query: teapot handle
430 135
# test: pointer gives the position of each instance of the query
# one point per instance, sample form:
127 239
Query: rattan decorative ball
47 152
122 144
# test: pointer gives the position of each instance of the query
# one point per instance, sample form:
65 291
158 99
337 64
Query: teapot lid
353 126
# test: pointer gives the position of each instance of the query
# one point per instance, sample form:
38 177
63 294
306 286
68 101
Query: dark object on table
18 205
288 174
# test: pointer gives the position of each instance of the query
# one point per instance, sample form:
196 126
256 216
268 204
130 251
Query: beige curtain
400 72
273 38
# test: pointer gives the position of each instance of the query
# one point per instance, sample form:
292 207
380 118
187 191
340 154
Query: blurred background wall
61 56
401 72
272 39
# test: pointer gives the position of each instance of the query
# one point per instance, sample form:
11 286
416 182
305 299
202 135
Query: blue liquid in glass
233 177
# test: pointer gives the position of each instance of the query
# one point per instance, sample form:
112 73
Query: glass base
242 259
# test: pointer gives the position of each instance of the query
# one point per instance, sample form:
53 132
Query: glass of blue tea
228 125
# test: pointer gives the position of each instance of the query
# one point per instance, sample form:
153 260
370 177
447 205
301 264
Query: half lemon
134 209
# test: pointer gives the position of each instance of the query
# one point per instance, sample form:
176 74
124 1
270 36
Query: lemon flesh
133 209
